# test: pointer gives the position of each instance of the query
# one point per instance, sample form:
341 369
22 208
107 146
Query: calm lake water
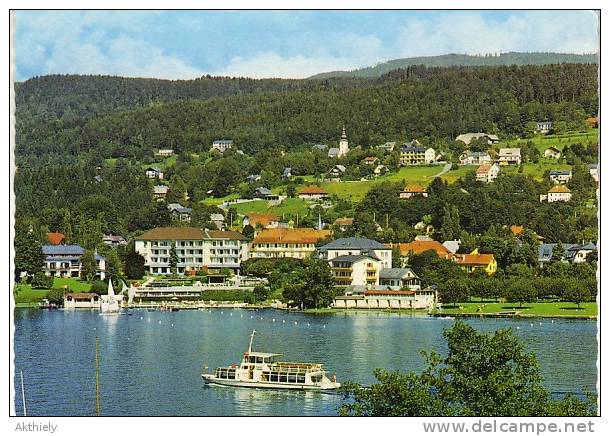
151 362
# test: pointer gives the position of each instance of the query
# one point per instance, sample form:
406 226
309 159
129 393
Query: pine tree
88 266
173 259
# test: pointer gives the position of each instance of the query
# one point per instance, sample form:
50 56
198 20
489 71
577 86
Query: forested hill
418 102
449 60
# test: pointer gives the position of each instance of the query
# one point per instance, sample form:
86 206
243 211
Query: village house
544 126
165 152
114 240
81 300
399 278
336 172
467 137
487 173
560 176
388 146
411 154
56 238
218 220
296 243
413 191
475 158
552 153
263 220
557 193
222 145
370 160
452 245
476 262
265 194
160 192
343 224
343 148
406 249
312 193
509 156
65 261
154 173
197 249
593 172
573 253
357 247
253 178
179 212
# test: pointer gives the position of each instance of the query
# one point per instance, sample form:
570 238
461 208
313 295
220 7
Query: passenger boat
261 370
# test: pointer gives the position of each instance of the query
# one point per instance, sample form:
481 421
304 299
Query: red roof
311 190
56 238
421 246
264 219
473 259
415 188
291 236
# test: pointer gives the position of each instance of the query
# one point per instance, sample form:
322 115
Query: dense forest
451 60
60 118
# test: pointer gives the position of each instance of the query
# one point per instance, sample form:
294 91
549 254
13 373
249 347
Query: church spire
343 135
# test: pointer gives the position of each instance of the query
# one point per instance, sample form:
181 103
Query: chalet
65 261
114 240
370 160
312 193
297 243
509 156
160 192
357 247
165 152
476 262
416 155
222 145
56 238
557 193
253 178
343 223
179 212
475 158
413 191
552 153
265 194
487 173
355 270
154 173
467 137
388 146
264 220
574 253
336 172
544 126
560 176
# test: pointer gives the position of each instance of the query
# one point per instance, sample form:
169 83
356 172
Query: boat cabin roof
263 355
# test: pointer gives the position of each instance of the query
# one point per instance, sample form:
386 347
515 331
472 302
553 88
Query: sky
291 44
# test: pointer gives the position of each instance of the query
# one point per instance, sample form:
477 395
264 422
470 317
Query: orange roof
291 236
421 246
261 218
592 120
370 159
517 230
344 221
414 188
313 190
56 238
559 189
473 259
483 169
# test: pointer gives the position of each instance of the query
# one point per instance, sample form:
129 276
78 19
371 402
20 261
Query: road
446 168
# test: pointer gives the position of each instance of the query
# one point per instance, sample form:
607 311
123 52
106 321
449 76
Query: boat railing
293 365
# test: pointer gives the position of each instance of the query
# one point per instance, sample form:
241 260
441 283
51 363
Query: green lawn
542 142
25 295
533 309
289 207
536 170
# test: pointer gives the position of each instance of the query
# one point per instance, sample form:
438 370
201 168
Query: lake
151 362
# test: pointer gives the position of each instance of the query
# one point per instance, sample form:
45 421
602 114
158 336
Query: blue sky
188 44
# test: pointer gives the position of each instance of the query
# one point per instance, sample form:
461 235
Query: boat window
316 378
252 359
259 360
282 378
301 379
292 378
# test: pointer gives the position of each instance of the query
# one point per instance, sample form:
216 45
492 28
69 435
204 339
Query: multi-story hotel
197 249
357 247
65 261
280 242
411 154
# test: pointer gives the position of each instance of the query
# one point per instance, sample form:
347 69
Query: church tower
343 144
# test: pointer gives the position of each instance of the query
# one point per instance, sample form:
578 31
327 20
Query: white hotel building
197 249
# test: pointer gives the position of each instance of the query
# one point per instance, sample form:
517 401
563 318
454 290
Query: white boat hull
211 379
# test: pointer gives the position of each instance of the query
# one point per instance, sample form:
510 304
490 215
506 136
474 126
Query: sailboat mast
98 406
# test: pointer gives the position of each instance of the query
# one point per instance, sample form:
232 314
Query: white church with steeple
343 148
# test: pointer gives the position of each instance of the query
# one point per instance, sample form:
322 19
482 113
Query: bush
42 281
99 287
228 295
56 296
